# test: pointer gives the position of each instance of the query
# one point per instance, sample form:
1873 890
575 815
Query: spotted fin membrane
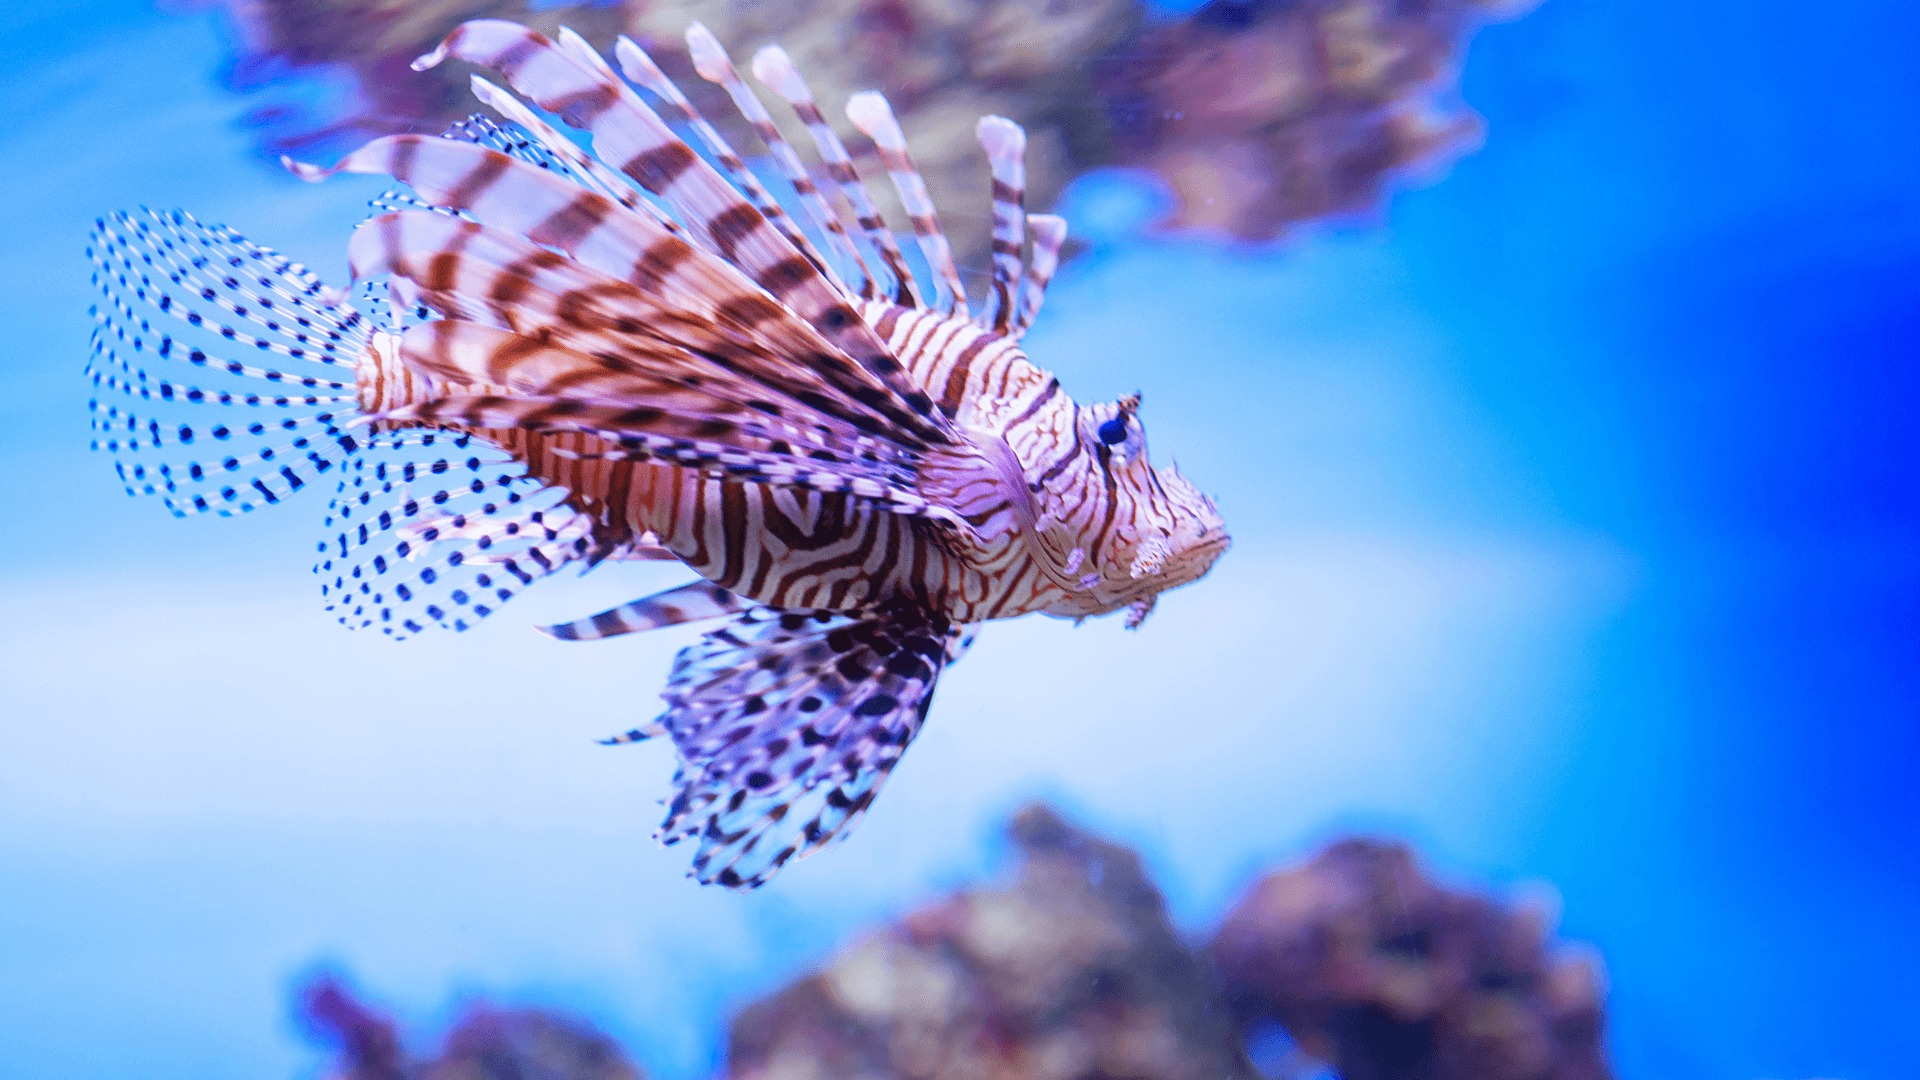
786 723
425 534
223 376
441 531
225 380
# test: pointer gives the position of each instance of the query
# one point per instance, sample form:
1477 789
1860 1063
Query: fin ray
627 132
693 602
473 535
787 723
870 113
775 69
1006 145
169 286
1049 233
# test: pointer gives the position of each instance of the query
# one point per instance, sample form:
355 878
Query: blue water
1576 511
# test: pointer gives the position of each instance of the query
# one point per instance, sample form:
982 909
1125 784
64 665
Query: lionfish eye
1113 431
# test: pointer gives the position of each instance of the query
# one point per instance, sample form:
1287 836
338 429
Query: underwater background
1576 502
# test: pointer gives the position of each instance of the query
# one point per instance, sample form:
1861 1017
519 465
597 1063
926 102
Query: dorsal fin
711 61
519 198
742 177
870 113
773 67
627 132
1006 145
1049 232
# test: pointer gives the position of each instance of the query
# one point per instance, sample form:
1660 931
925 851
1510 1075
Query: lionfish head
1165 533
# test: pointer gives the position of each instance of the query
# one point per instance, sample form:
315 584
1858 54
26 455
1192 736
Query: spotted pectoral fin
442 532
188 420
787 724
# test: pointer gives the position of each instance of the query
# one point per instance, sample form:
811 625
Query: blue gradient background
1576 510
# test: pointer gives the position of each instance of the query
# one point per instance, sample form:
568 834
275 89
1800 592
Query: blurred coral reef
1266 113
485 1044
1355 963
1257 114
1370 965
1071 971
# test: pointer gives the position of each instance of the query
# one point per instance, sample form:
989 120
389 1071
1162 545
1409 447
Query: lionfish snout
1199 535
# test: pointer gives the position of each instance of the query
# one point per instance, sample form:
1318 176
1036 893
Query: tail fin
421 536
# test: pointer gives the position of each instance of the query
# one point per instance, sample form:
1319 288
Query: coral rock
1373 967
1072 971
1266 113
1259 114
486 1044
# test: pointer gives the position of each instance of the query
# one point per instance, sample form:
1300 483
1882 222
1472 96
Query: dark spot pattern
856 684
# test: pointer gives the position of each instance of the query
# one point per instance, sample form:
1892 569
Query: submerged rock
1263 114
485 1044
1070 971
1373 967
1355 962
1258 114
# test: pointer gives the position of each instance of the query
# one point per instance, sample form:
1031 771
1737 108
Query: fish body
858 467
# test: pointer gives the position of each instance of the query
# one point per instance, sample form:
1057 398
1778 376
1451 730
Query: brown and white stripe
640 68
626 130
711 61
870 113
1006 145
692 422
523 200
1049 235
774 68
604 180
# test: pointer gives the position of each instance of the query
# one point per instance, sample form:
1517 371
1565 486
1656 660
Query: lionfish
639 354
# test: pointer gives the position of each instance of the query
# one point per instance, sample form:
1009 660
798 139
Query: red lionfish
644 356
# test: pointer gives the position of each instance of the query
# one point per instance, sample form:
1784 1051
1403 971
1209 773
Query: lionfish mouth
1197 561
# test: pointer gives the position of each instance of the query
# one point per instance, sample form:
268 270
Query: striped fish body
793 548
636 356
797 548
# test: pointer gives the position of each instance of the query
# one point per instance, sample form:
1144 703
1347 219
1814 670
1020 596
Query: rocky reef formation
1355 963
1258 114
1372 966
485 1044
1262 114
1070 971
